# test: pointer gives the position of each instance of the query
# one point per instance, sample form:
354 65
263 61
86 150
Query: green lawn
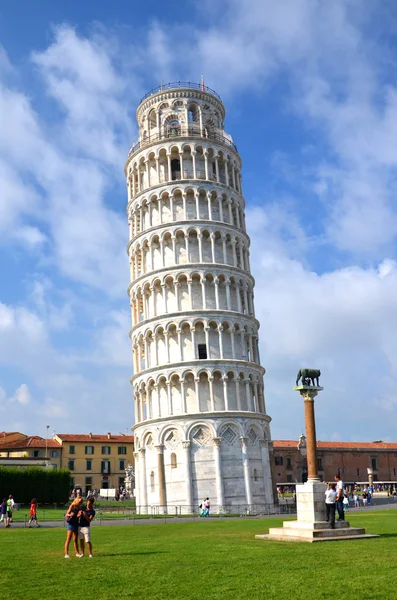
200 561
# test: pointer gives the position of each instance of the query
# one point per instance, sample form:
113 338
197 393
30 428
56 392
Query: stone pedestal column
247 478
218 472
161 476
188 466
308 395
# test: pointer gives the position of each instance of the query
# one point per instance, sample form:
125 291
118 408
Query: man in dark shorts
87 515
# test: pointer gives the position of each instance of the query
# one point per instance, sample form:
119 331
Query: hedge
47 485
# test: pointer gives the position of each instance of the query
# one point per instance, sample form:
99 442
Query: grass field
199 561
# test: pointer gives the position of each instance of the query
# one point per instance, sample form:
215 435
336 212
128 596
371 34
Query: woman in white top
330 503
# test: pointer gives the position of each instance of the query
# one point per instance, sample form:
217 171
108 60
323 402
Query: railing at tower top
175 133
181 84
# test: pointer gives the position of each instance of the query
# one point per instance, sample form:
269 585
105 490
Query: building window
72 450
36 453
373 463
122 450
122 465
288 463
105 449
358 472
71 465
174 462
121 482
54 453
88 465
89 449
278 460
289 478
152 487
255 475
105 467
202 351
319 463
88 480
394 471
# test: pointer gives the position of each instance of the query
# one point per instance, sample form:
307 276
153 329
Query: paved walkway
158 521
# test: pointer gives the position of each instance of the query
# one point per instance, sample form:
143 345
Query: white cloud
22 395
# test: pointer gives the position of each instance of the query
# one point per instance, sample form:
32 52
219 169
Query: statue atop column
310 377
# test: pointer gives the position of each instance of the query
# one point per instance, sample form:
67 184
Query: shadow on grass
132 553
388 535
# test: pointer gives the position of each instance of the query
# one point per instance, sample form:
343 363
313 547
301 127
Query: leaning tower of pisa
201 427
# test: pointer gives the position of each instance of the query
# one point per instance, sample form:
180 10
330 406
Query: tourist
207 506
72 519
339 499
345 503
10 507
356 500
33 513
3 511
365 497
86 516
330 503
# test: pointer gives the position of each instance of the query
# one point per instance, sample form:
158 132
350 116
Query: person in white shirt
330 503
339 499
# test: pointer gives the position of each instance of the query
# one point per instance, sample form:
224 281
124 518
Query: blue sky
311 101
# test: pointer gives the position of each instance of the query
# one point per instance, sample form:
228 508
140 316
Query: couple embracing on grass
78 519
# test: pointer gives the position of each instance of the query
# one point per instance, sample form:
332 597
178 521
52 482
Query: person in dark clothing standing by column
339 498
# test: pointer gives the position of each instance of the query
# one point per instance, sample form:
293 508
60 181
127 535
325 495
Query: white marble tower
201 427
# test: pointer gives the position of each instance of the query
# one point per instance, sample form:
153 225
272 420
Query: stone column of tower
201 428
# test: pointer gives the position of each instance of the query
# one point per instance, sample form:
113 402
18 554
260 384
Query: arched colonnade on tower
188 204
183 161
195 290
190 245
200 339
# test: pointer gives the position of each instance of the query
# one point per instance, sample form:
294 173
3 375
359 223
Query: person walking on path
72 519
87 515
207 506
346 503
10 507
339 499
330 503
3 511
33 513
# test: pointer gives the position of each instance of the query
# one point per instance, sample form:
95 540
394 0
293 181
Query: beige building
96 461
17 449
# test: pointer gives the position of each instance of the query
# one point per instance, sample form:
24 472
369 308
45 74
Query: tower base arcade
181 461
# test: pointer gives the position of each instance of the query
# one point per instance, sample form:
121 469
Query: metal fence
181 84
182 132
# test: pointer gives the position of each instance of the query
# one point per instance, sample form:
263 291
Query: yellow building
17 449
96 461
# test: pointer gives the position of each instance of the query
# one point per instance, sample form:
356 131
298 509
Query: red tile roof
340 445
10 436
93 437
32 441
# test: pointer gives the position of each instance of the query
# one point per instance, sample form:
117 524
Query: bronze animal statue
309 376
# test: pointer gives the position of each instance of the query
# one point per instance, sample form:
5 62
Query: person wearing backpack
3 512
72 517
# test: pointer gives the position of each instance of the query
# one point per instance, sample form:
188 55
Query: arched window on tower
175 169
255 475
174 128
174 462
152 485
